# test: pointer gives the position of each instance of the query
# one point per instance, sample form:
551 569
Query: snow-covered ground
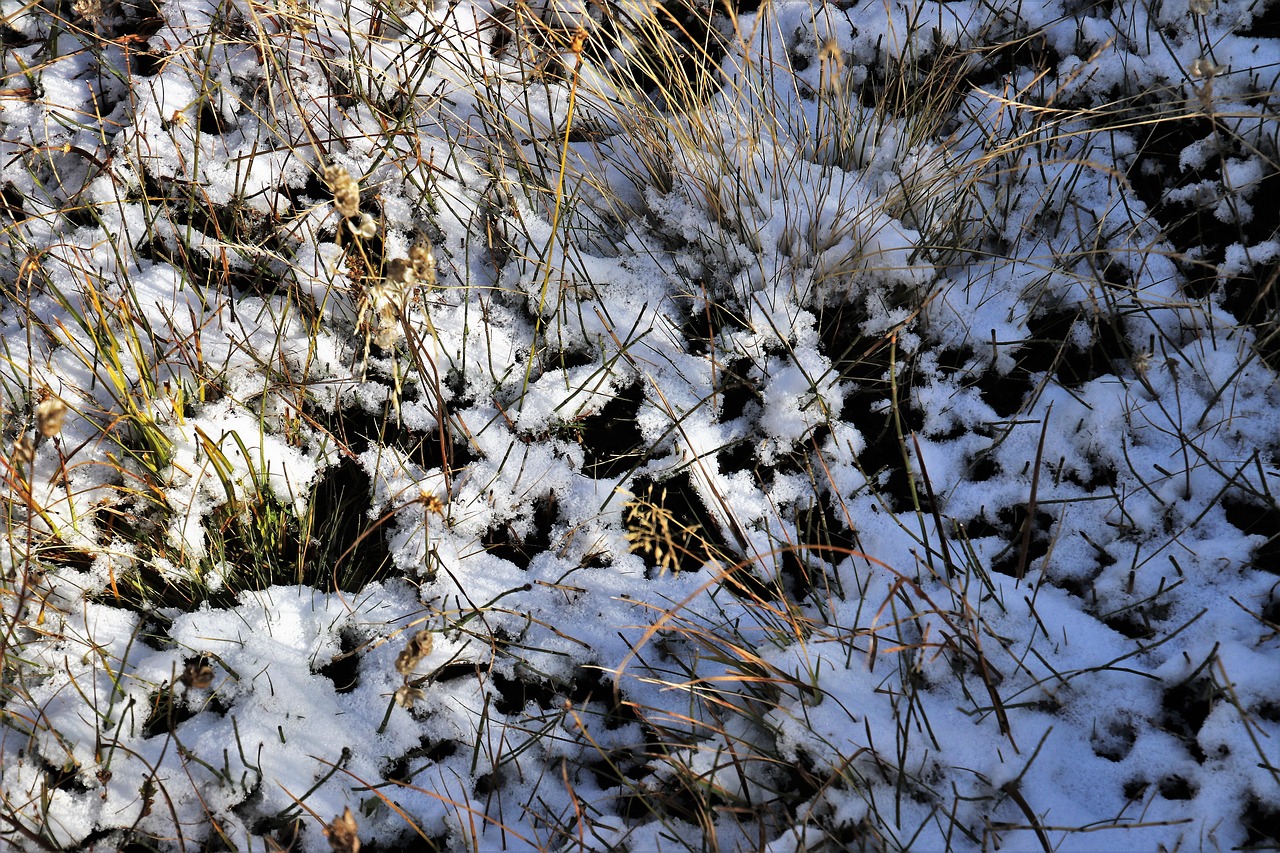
792 427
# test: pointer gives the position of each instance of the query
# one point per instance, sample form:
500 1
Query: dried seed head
90 10
400 272
365 228
406 696
24 452
346 190
197 673
388 331
423 642
653 529
423 257
432 504
335 174
418 647
342 833
50 414
380 312
1200 7
1203 68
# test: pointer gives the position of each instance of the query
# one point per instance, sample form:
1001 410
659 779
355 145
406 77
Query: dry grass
372 137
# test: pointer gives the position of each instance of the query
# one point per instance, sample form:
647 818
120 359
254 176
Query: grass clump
631 426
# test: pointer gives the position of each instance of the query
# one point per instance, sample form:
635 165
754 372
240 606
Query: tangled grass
635 426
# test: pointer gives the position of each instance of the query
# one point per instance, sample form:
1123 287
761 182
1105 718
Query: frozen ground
815 427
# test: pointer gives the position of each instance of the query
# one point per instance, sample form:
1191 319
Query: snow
924 319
